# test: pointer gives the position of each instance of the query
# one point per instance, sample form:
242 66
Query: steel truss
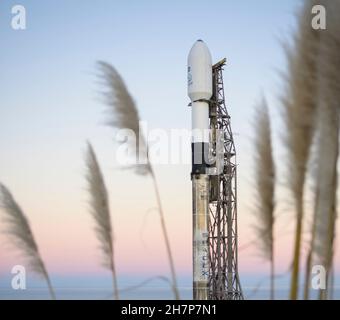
224 283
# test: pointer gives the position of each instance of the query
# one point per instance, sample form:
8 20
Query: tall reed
100 211
21 235
124 115
327 150
265 184
299 114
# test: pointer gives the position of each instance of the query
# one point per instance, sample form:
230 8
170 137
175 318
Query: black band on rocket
199 157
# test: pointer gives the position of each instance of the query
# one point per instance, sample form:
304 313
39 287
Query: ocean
95 287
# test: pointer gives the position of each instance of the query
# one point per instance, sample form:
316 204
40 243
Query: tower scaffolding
224 282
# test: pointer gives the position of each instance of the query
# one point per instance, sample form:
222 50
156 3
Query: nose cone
199 72
199 48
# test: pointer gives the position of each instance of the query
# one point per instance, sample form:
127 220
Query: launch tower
224 282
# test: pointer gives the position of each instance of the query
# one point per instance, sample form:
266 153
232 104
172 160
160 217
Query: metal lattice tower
224 283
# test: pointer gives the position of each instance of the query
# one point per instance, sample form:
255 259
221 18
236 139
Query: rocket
200 90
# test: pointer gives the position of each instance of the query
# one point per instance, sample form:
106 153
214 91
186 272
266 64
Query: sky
50 106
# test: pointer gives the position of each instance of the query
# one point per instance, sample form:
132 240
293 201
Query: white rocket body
200 91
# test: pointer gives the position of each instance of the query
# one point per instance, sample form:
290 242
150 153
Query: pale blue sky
47 69
49 95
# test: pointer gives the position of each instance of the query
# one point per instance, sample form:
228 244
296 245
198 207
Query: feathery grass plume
328 141
101 213
265 181
124 115
325 206
299 114
21 235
